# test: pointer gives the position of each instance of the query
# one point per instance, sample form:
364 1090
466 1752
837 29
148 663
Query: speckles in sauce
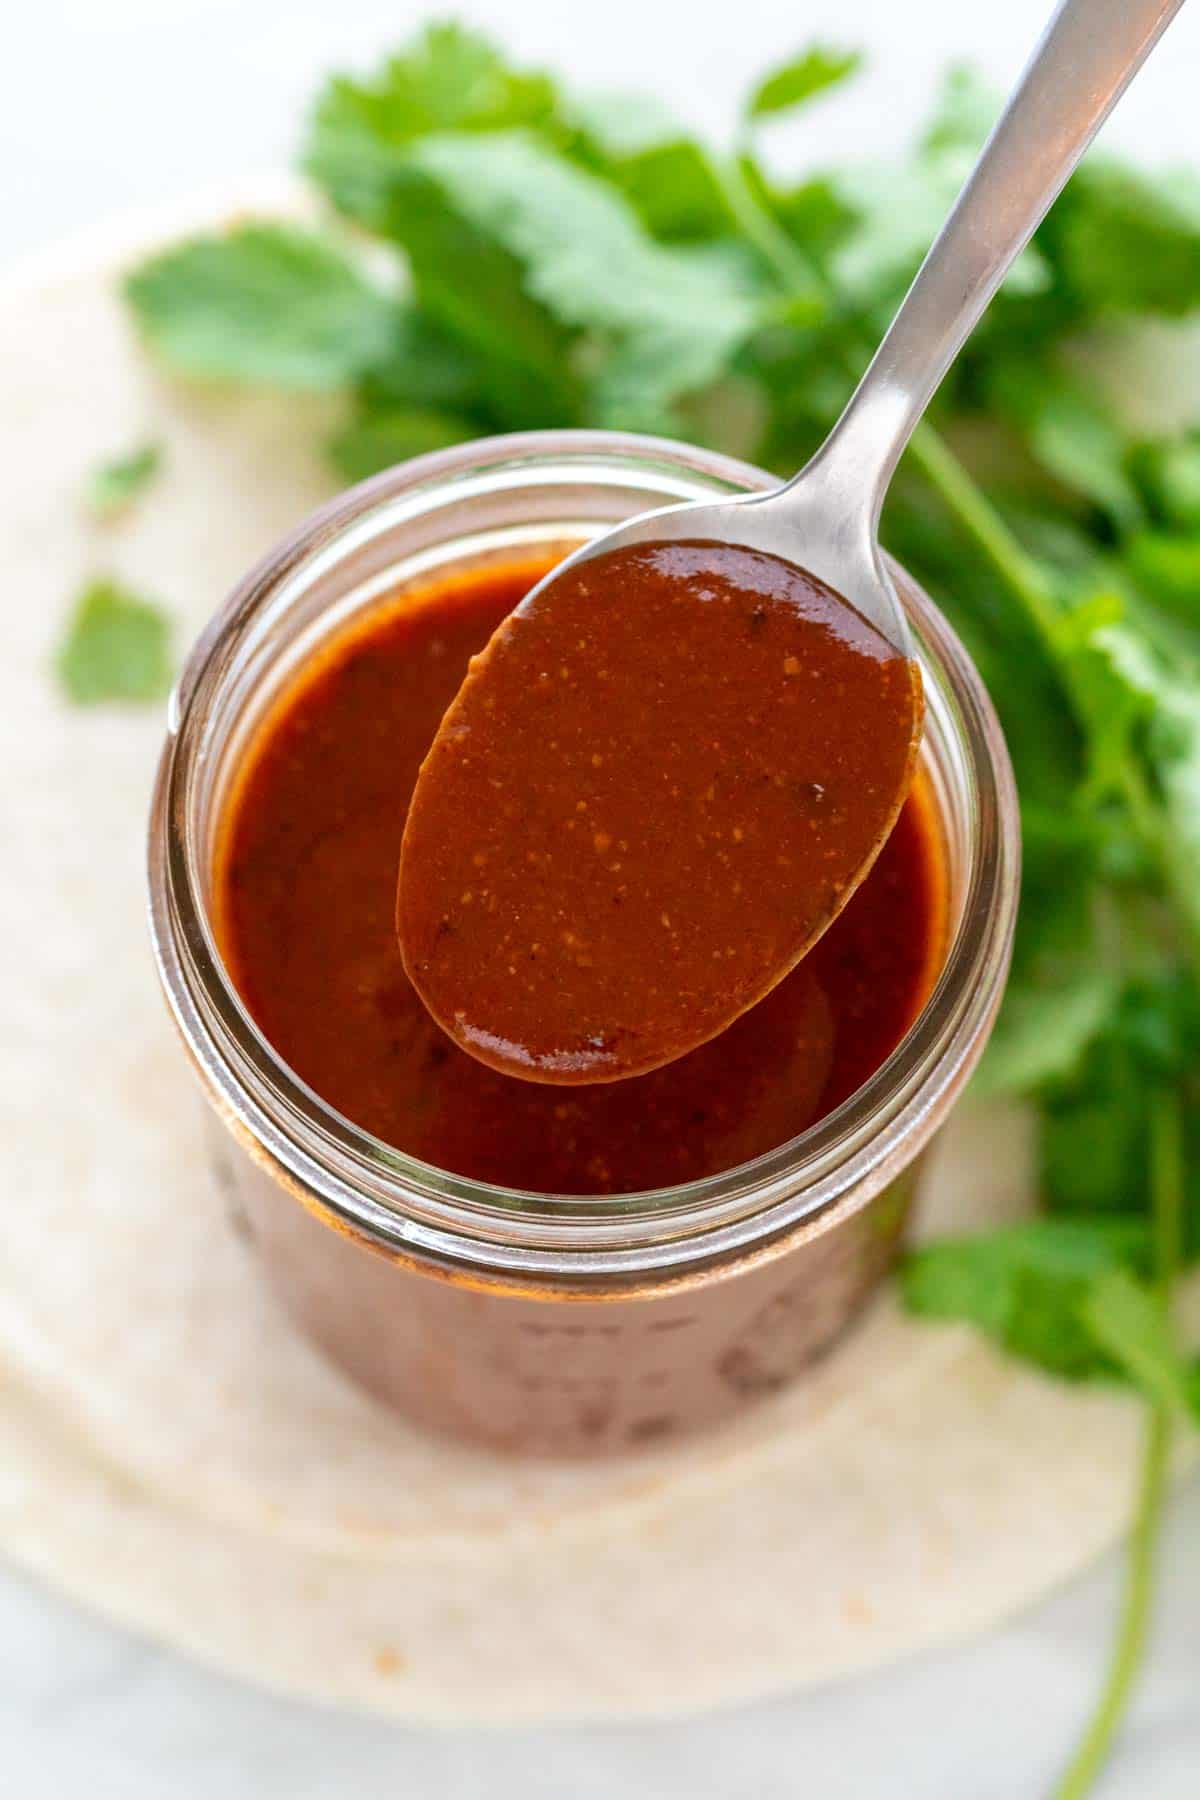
729 739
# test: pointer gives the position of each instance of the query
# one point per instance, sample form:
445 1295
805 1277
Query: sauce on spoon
660 782
303 896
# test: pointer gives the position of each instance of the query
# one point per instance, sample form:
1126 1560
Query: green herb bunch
503 253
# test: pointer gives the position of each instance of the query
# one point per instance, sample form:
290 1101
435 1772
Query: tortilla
176 1456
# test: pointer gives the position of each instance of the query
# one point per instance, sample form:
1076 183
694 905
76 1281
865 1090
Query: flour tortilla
174 1455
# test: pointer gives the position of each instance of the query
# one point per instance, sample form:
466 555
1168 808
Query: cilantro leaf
378 439
1045 1030
1096 1122
1165 704
114 485
1073 437
1026 1286
470 283
1108 699
426 366
1167 569
813 72
660 321
667 177
1175 732
1127 242
817 214
964 112
1169 476
1061 1295
116 647
267 303
448 79
1130 1323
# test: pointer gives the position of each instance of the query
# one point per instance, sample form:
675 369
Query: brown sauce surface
304 903
656 788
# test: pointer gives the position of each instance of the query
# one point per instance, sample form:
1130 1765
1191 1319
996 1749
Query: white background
108 105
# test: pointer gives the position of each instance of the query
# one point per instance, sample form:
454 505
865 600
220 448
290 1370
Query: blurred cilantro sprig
504 253
116 648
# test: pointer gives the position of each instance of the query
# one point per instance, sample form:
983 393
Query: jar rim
408 1205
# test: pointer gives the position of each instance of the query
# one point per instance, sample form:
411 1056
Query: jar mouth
559 483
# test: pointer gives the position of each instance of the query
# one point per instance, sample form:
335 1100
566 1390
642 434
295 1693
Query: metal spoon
557 979
826 518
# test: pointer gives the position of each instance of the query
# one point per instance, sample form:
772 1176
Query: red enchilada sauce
658 785
305 886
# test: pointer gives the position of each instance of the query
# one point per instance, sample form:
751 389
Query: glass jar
546 1322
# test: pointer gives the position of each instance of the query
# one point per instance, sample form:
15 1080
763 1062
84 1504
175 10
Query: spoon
516 926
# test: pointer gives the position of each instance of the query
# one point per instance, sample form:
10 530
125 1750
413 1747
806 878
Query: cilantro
465 276
1127 243
818 214
964 112
378 439
668 179
1072 1295
1153 712
1072 436
1169 476
1126 1318
1045 1031
1136 1327
1026 1286
1167 569
448 79
811 73
425 366
564 277
264 303
116 647
115 484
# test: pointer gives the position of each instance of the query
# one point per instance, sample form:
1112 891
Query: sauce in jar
304 905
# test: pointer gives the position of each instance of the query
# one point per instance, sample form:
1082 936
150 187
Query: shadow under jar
550 1322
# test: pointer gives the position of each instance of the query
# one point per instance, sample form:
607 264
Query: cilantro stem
794 267
974 512
1151 827
1128 1651
1168 1177
1094 1747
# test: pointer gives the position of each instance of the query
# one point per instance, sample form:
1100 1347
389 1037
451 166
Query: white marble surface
112 104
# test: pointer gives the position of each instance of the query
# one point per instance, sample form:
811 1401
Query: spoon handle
1088 54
